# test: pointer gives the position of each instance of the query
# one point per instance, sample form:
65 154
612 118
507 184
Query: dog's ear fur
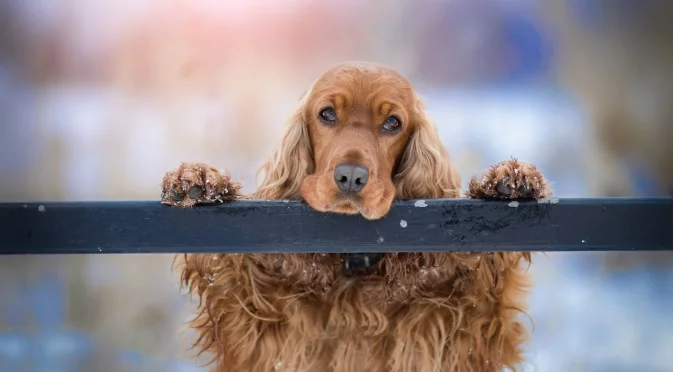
291 162
426 171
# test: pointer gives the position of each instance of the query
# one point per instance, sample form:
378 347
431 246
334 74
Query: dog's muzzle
354 264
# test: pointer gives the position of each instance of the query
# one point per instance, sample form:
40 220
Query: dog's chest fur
355 326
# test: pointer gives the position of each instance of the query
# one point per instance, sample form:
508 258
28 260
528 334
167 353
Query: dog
359 139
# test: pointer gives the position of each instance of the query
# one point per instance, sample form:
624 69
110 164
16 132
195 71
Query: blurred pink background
99 98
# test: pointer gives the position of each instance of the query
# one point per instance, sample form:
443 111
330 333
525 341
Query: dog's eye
328 115
392 124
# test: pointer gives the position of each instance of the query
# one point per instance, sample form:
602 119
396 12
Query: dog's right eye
328 115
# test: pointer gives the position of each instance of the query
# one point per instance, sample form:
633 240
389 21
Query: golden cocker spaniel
359 140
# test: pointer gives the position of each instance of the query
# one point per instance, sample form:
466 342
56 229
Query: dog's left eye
328 115
392 123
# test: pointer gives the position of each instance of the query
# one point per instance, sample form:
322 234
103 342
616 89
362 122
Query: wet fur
425 312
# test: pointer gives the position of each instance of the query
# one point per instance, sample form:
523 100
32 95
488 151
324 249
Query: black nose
351 177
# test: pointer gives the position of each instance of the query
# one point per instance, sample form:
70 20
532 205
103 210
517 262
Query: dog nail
174 195
504 189
195 192
524 190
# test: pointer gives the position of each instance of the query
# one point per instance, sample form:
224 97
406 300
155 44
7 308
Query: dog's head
359 139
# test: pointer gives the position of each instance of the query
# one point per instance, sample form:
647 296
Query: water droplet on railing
420 204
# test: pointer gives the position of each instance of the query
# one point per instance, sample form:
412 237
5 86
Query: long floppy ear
291 162
425 170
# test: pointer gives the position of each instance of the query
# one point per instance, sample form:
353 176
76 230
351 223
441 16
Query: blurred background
99 98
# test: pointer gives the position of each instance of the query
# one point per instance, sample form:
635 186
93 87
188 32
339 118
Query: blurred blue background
99 98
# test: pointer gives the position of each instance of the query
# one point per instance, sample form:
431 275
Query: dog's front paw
197 183
510 179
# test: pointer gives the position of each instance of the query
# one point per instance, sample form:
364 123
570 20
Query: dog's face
359 139
359 124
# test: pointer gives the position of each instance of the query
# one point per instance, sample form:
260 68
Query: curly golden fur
425 312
